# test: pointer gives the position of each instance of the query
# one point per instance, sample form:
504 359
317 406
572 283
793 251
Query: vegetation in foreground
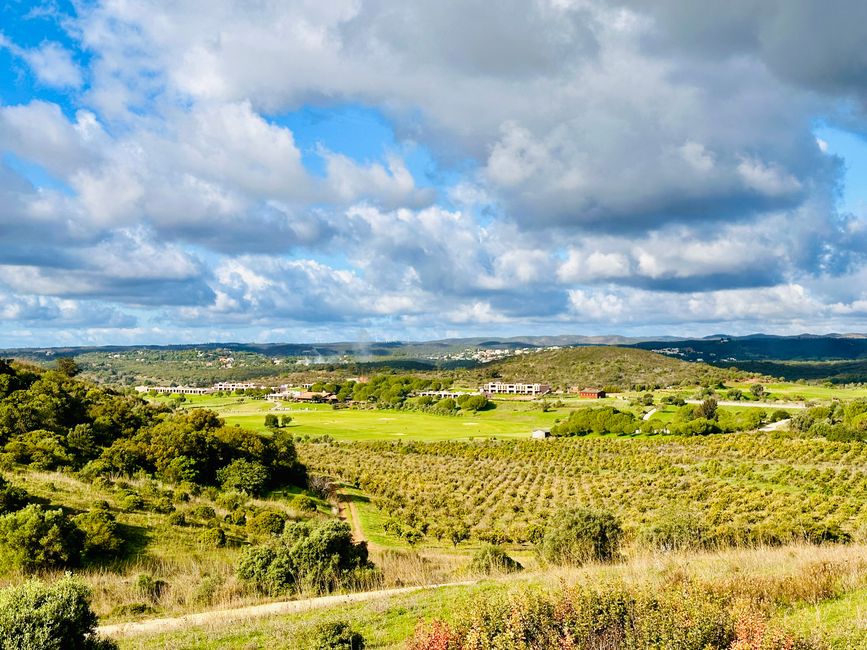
777 599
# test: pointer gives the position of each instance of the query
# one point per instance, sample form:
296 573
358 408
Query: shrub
131 502
33 539
677 530
36 616
177 519
101 536
204 512
231 499
163 505
266 522
244 475
207 589
304 503
150 587
213 536
337 635
492 559
319 558
11 498
582 535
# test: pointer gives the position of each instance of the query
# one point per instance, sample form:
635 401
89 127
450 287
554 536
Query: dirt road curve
158 625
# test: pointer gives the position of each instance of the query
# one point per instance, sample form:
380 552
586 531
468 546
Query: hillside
602 366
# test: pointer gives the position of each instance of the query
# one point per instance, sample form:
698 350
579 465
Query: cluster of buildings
502 388
489 354
219 387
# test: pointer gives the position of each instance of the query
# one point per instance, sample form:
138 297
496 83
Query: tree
67 366
707 409
285 420
245 476
757 390
271 421
37 616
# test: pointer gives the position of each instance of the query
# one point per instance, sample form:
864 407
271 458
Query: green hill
602 366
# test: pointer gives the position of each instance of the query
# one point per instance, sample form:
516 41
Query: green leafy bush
336 635
303 503
101 534
36 616
266 523
317 558
12 498
213 536
131 503
33 539
493 559
574 537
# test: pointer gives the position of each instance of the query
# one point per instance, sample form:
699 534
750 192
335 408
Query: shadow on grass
353 498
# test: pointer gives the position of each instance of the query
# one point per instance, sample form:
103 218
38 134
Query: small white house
540 434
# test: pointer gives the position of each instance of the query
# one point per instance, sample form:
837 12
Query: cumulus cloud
593 161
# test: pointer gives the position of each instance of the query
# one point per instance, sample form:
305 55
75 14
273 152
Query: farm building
540 434
591 393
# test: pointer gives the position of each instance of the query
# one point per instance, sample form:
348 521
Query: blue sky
197 171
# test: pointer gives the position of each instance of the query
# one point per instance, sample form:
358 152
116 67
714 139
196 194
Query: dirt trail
160 625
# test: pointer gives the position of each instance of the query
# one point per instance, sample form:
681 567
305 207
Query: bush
36 616
131 502
177 519
492 559
244 475
213 536
34 539
578 536
207 590
266 523
320 558
163 505
149 587
101 536
204 512
11 498
337 635
677 530
304 503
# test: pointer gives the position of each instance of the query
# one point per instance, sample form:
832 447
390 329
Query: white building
175 390
501 388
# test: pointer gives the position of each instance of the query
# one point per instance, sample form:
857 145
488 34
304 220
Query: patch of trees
607 419
838 421
35 538
50 421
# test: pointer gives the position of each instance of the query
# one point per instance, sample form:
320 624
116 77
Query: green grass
508 419
841 622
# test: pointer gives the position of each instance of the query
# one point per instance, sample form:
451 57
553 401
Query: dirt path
355 522
160 625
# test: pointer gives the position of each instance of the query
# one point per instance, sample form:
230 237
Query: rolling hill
602 366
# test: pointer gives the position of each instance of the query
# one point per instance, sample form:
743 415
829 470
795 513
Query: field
509 419
741 488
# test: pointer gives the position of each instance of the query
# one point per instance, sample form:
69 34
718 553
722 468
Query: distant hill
760 347
600 366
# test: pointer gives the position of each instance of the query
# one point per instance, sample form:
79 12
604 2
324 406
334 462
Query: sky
279 170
